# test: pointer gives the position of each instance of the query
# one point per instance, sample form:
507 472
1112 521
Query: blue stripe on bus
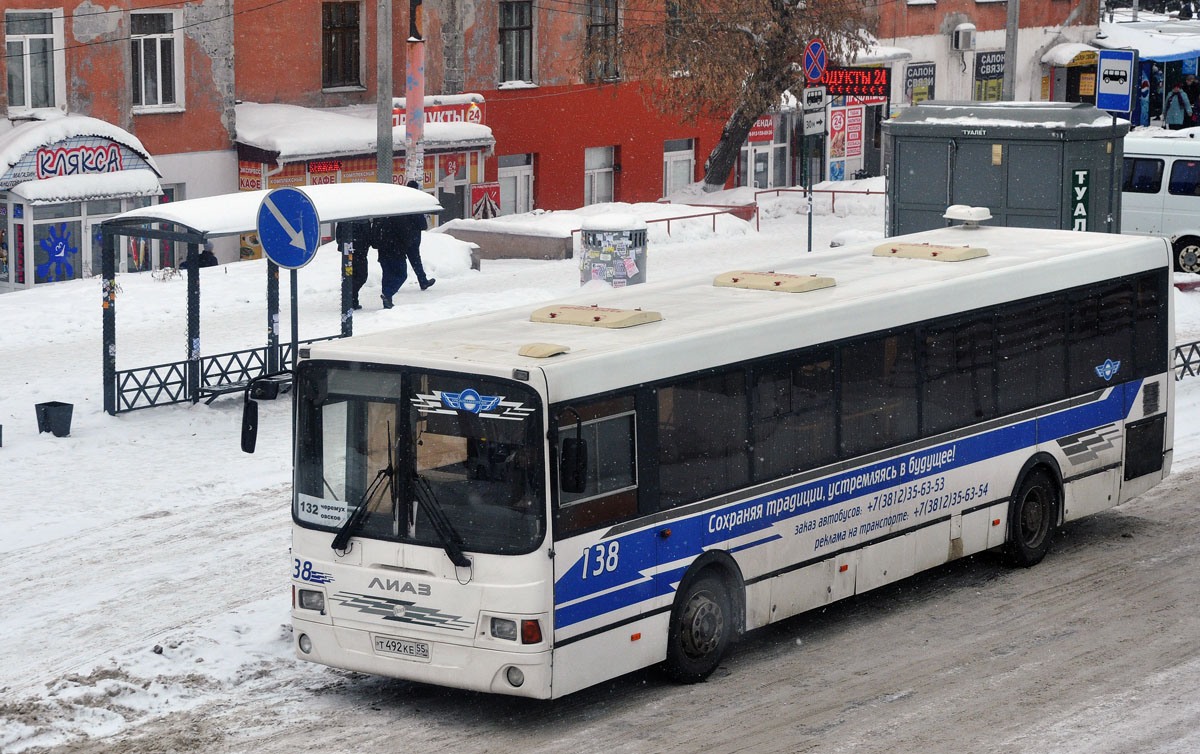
638 553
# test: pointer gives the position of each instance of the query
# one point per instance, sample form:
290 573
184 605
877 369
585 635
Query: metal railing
1187 360
744 211
164 384
832 193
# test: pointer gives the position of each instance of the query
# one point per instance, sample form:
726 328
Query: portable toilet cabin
1033 164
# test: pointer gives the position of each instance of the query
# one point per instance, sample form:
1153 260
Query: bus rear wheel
701 627
1187 254
1031 519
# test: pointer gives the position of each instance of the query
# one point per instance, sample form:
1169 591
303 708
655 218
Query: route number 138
603 558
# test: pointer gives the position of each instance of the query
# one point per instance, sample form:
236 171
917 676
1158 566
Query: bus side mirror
572 468
249 425
264 390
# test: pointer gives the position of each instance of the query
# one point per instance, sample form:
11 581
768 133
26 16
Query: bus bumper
455 665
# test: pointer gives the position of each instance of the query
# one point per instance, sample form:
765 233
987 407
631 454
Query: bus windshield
428 455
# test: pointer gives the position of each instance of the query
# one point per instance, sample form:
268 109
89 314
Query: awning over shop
233 214
290 133
65 158
1070 54
1161 40
77 188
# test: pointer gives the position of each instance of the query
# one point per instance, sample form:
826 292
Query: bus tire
1032 516
700 631
1187 254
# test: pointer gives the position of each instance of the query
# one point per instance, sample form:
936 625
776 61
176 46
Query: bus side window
610 429
1031 344
702 437
957 388
878 393
793 414
1149 340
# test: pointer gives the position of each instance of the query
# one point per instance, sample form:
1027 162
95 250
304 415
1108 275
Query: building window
154 46
515 173
598 175
516 41
340 45
602 40
679 165
35 63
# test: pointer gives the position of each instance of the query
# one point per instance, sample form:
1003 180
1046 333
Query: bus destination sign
859 81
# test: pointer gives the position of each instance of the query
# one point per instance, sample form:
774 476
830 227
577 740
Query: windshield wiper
451 541
382 479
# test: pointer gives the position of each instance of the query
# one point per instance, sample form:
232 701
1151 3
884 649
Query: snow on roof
1003 115
877 53
75 188
298 133
231 214
1063 54
25 137
1154 39
436 100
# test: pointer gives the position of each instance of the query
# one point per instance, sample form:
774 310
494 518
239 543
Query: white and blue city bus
533 501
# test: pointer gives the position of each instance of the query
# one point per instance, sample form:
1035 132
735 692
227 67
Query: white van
1160 194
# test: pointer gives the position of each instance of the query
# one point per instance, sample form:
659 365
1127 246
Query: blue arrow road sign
814 60
288 228
1115 81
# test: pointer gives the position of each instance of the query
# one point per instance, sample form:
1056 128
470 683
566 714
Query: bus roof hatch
593 316
772 281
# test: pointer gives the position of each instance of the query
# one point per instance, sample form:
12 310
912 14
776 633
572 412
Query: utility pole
383 93
1011 26
414 98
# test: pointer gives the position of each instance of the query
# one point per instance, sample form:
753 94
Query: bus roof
1183 143
705 326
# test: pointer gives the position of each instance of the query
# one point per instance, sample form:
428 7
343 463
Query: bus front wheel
701 627
1031 519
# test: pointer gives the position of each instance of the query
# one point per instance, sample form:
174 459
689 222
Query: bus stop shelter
195 221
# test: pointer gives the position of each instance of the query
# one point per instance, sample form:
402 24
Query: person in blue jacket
1178 109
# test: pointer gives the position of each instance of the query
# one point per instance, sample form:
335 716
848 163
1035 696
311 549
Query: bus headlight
305 643
312 600
515 676
503 628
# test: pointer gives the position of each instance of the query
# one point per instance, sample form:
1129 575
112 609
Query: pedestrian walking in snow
388 238
412 250
357 233
1178 109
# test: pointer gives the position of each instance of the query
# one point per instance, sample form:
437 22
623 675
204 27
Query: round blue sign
814 60
288 228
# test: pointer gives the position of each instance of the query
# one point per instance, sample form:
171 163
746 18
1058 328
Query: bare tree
720 58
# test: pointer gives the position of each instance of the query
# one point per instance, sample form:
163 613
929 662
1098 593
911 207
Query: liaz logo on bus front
471 401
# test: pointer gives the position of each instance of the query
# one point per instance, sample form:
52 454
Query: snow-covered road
146 573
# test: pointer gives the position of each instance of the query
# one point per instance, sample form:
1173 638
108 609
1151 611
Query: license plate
406 648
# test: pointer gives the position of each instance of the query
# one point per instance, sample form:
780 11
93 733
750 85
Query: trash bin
613 249
54 416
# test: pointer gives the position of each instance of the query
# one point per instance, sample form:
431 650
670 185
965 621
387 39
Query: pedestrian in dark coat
388 238
412 250
356 233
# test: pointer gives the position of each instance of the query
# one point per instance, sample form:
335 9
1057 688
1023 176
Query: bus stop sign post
1114 93
289 231
815 59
